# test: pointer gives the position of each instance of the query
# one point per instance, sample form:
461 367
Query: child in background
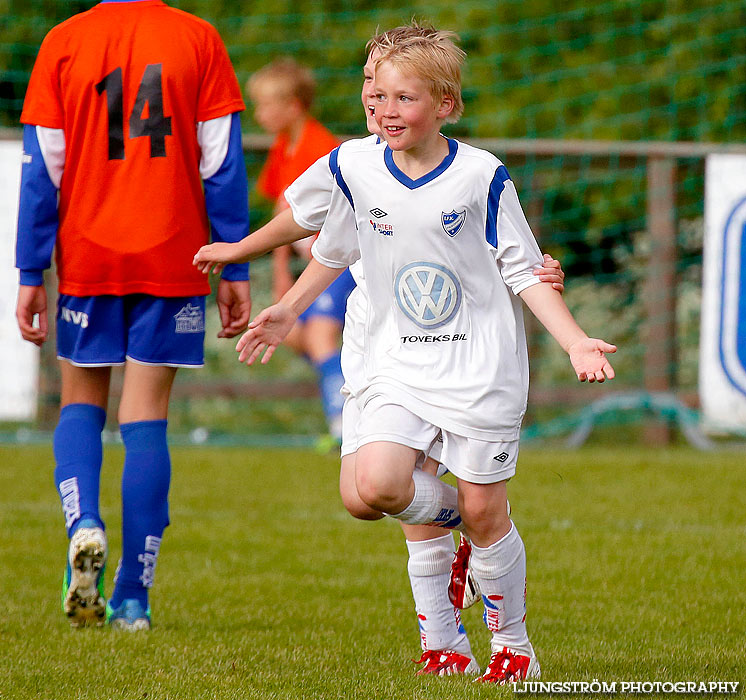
283 93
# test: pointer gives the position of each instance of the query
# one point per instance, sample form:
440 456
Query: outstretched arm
281 230
272 325
587 355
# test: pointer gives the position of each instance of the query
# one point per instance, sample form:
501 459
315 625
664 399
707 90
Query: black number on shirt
155 125
112 85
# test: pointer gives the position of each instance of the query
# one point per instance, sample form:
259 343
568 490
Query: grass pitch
265 588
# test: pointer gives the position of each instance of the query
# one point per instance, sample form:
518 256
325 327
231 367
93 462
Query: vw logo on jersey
427 293
733 310
453 221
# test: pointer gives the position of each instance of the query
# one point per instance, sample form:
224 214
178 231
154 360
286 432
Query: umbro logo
378 213
502 457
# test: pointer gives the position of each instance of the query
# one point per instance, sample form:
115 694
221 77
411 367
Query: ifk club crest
428 294
453 221
733 301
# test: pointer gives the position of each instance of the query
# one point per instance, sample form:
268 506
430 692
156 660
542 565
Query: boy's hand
589 361
552 272
214 257
267 330
234 307
32 301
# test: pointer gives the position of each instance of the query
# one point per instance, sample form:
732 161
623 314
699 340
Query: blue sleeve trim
333 161
236 272
493 203
345 190
227 200
31 278
337 173
38 219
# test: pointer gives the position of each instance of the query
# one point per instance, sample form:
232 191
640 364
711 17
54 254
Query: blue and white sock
145 483
429 569
78 454
500 571
434 503
330 384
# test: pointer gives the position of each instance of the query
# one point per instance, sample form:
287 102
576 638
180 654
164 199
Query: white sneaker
83 585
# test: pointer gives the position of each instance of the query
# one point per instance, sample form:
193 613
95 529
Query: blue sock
78 454
145 481
330 382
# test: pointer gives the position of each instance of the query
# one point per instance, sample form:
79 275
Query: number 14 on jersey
155 125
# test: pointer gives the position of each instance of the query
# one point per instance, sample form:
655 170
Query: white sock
434 503
500 571
429 570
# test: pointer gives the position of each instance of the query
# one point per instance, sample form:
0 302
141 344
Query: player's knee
484 523
359 509
378 491
351 500
321 339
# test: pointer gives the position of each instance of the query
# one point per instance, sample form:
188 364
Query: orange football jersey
128 82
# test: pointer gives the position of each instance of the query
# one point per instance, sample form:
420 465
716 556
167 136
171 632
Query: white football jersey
444 257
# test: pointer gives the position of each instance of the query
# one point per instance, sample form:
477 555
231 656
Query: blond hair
383 41
289 77
433 57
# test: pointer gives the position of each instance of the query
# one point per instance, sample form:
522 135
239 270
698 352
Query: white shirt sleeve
337 244
309 196
517 253
213 137
52 147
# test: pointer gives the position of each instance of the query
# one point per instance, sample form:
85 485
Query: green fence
539 76
620 69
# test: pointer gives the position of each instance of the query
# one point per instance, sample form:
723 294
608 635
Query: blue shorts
332 302
100 331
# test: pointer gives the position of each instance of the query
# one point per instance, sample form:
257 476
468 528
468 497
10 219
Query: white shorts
475 461
351 423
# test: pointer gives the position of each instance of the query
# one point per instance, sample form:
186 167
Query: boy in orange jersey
283 93
132 153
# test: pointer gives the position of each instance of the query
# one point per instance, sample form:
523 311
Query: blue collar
388 158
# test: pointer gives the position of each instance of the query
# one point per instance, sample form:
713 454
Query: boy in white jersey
445 258
445 645
430 551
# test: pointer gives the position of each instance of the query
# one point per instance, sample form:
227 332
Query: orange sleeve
219 92
42 105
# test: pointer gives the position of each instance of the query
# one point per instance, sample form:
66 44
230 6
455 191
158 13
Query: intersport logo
428 294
